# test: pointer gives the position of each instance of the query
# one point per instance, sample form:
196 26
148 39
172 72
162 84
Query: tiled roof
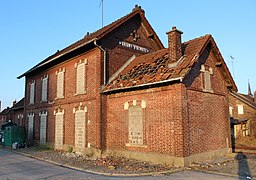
5 111
18 105
153 67
93 36
245 98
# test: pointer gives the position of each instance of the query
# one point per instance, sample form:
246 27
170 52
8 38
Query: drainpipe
104 61
101 98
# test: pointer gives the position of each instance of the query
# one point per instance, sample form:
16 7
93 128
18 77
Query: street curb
100 173
215 172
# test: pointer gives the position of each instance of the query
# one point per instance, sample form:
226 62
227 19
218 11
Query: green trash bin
14 134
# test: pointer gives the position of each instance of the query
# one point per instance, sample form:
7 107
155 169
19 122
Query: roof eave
60 55
143 85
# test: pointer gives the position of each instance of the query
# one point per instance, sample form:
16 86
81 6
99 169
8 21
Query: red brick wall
70 101
162 126
208 122
209 126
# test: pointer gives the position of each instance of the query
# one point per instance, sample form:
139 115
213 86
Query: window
43 123
135 120
240 108
80 76
30 126
20 119
32 93
59 122
207 78
135 125
80 126
44 88
231 111
60 83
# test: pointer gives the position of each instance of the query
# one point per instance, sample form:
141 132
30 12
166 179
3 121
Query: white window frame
240 109
231 111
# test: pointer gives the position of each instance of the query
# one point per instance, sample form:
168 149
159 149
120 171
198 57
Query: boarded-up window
60 84
43 123
207 81
80 78
59 122
135 125
44 88
80 128
30 126
207 78
32 93
240 109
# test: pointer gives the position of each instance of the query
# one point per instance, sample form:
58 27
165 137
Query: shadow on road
243 168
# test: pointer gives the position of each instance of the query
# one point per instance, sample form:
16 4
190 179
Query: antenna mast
102 15
232 63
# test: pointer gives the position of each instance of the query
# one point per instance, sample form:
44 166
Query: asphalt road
14 166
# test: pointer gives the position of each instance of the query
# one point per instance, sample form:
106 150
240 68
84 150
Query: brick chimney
14 102
174 44
254 97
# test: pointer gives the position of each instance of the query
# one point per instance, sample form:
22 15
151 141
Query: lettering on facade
133 46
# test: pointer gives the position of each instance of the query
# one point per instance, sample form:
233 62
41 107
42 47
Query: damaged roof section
155 67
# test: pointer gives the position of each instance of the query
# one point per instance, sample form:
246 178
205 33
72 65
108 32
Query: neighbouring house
242 110
4 115
118 91
17 111
14 114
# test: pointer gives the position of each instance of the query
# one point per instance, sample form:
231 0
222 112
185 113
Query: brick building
242 110
119 91
14 114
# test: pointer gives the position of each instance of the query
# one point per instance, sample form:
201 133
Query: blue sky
32 30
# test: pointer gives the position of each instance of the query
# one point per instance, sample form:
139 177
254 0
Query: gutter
104 60
143 85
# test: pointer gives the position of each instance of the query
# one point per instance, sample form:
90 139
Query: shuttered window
44 88
60 84
81 76
43 123
32 93
59 122
30 126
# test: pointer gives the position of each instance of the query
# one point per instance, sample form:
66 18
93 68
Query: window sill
59 98
136 145
31 104
208 91
45 101
80 93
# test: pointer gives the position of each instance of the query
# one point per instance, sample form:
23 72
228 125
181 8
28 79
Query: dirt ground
243 164
109 164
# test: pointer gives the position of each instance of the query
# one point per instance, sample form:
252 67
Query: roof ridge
198 38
